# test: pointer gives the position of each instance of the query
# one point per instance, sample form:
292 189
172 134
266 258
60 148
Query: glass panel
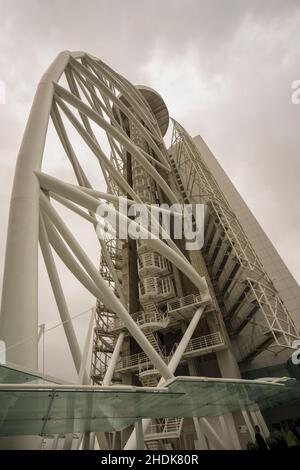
213 397
66 410
11 375
22 412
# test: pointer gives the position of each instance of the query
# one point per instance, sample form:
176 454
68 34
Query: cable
46 330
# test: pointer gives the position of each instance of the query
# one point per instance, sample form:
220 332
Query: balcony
153 321
137 169
117 325
146 195
148 375
153 264
205 345
196 347
183 308
132 362
141 181
156 289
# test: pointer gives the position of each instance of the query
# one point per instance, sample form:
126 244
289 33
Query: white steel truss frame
276 318
92 98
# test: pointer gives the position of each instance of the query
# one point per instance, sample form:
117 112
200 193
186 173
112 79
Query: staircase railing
141 361
164 427
142 319
206 341
181 302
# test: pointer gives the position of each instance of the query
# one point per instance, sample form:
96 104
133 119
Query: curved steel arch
93 95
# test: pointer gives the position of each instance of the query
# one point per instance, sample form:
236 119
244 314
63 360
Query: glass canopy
58 409
15 376
12 374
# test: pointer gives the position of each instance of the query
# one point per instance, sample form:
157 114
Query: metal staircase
168 428
103 343
198 346
154 340
151 318
154 444
231 260
148 375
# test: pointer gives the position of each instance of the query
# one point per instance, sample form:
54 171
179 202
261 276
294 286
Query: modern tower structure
166 315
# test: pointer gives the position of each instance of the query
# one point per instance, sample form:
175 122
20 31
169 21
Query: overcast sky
224 69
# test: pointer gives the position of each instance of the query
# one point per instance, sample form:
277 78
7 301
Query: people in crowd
297 426
252 446
290 437
261 443
280 438
276 441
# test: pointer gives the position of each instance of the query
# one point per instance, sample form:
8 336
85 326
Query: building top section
157 105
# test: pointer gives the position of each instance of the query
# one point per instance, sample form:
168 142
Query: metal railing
132 361
272 315
204 342
141 361
164 427
156 287
182 302
117 324
142 319
153 260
